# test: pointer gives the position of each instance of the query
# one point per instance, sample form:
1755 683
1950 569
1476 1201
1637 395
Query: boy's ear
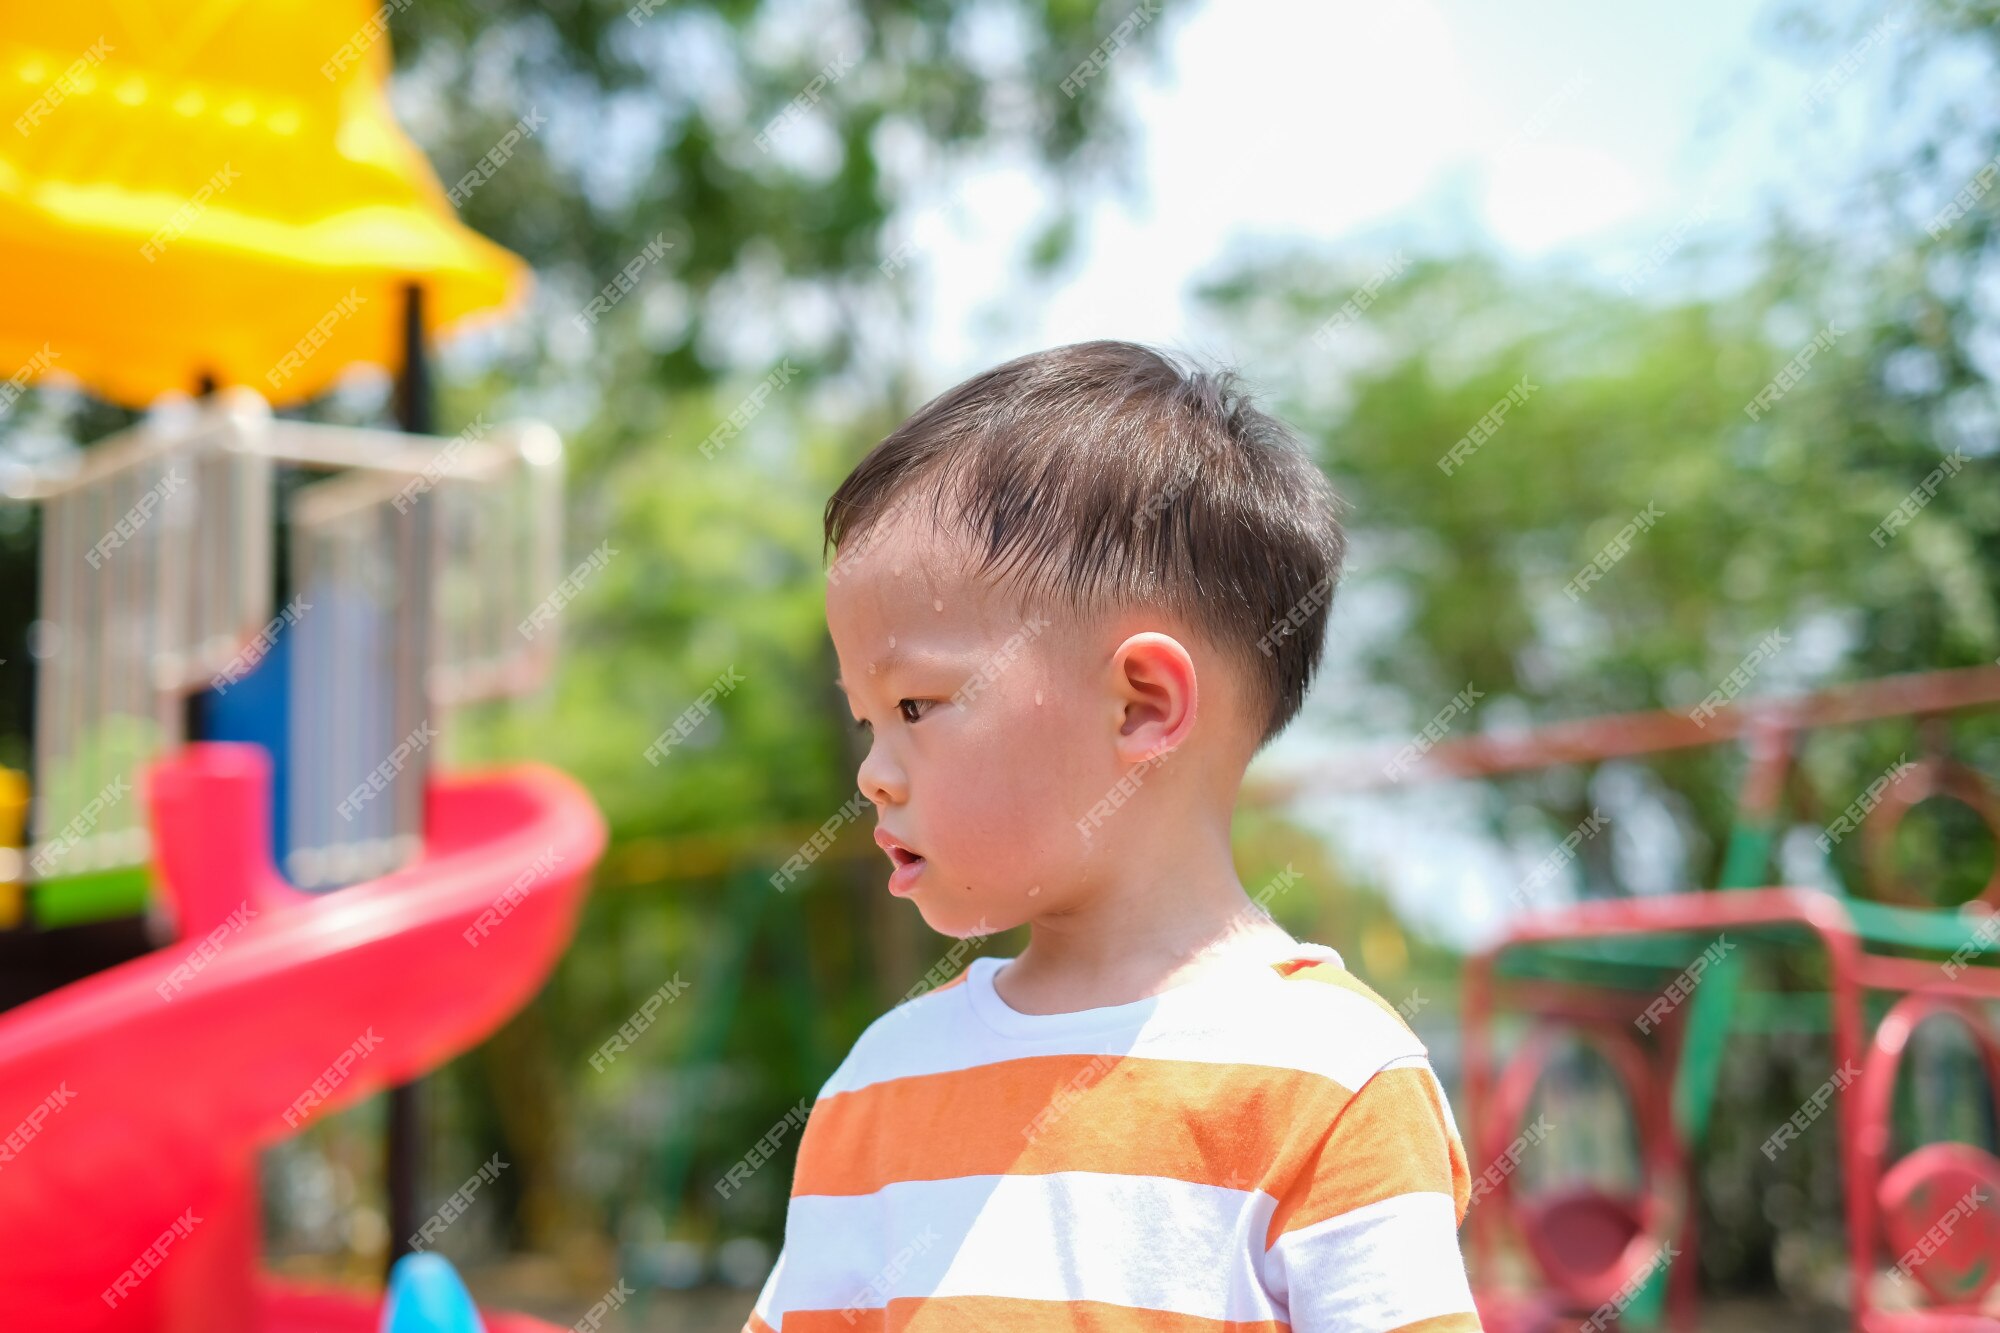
1153 682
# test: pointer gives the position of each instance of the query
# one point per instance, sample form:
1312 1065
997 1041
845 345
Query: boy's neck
1149 928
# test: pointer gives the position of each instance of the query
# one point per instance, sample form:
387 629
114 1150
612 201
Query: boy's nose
880 779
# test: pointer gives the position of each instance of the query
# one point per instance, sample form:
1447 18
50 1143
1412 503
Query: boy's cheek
1008 791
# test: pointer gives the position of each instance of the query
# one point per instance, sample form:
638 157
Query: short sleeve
1364 1238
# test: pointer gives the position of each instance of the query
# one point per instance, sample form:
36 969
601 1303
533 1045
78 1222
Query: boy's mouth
898 853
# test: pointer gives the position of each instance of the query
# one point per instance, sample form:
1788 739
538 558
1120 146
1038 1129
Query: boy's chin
957 920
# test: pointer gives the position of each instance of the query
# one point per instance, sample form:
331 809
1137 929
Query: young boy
1073 597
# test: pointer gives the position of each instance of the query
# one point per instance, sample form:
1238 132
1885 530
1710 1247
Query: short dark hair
1103 475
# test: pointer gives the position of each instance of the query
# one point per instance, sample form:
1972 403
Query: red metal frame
1769 730
1862 1126
1661 1206
1701 912
1877 1094
1627 735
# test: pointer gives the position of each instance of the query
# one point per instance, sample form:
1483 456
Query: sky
1552 131
1552 127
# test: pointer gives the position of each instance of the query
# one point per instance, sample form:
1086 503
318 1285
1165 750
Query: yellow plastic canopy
217 188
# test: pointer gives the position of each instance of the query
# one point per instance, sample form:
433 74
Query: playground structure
250 638
132 627
1652 988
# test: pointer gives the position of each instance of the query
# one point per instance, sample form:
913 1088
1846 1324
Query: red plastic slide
133 1103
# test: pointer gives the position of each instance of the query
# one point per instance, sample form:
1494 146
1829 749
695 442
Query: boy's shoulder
1342 1017
1327 969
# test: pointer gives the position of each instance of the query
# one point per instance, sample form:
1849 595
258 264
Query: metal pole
194 703
413 415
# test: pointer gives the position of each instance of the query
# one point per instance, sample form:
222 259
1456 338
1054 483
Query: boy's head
1072 557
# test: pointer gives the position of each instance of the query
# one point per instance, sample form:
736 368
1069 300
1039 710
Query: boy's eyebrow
889 661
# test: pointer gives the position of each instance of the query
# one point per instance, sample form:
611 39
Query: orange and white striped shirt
1265 1147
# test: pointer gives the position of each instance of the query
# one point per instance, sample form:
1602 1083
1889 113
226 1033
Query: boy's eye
902 708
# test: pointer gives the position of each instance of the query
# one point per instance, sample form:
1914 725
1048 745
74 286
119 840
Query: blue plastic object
257 707
425 1296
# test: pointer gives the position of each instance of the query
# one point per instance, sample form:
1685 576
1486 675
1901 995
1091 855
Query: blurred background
1534 282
